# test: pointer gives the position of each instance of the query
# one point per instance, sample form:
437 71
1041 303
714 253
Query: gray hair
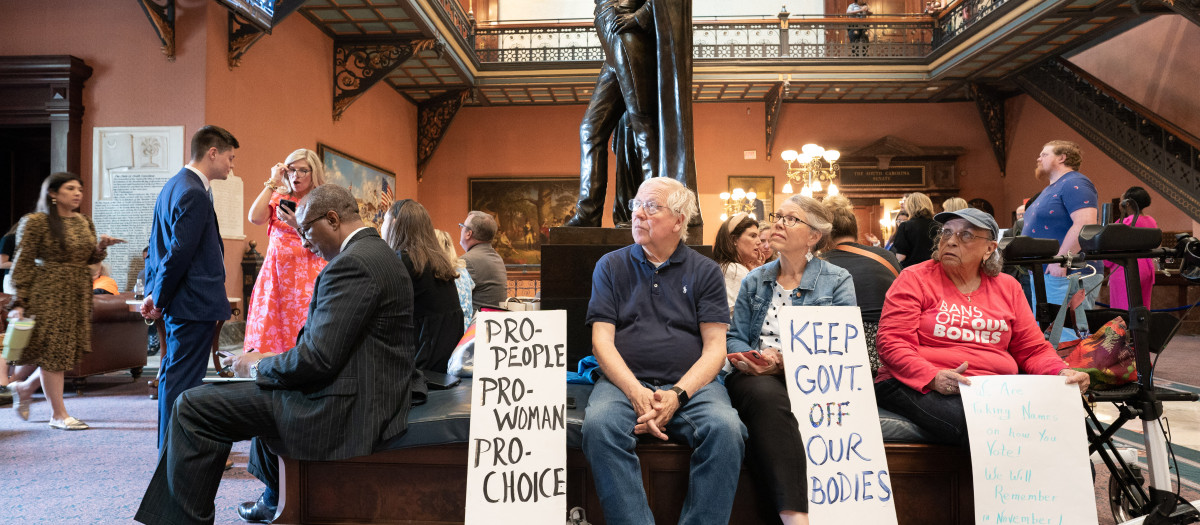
483 227
818 217
329 197
990 266
680 200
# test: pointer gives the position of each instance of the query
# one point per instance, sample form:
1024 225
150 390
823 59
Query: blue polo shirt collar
676 257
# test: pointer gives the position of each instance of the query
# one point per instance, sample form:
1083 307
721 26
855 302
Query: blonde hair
917 204
447 243
314 163
954 204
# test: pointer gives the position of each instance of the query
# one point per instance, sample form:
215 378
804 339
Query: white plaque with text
130 165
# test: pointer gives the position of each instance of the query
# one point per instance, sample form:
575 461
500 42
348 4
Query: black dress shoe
257 511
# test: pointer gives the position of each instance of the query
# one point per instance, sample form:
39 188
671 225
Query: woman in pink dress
279 305
1135 199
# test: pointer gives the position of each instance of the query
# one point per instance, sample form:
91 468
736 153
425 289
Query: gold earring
53 201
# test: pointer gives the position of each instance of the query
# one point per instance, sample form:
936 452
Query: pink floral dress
279 306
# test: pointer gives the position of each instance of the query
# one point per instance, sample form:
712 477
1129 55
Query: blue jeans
1056 291
940 415
708 424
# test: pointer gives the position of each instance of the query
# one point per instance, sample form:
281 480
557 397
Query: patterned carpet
99 475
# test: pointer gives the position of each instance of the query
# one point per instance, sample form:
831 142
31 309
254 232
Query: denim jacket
823 284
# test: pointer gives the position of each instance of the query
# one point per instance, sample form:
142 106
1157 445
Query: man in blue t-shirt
659 315
1065 206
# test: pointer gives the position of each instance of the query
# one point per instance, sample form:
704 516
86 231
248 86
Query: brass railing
960 16
814 38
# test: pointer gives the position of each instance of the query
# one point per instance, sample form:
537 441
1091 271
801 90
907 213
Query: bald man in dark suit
342 391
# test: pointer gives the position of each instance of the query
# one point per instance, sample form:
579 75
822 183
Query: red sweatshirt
927 325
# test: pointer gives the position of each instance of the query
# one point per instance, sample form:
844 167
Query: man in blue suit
185 272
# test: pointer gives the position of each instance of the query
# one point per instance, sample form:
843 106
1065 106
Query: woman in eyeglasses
756 387
279 305
953 317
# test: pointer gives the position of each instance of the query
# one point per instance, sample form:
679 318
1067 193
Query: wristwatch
254 370
683 395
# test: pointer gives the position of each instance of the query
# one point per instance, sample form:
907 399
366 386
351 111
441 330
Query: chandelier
810 168
738 201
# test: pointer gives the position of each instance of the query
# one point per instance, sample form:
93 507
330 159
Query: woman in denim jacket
757 388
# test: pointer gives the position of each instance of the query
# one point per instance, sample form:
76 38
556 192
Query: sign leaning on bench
517 454
829 382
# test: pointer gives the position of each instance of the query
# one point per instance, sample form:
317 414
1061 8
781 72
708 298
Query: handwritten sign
829 383
517 463
1029 454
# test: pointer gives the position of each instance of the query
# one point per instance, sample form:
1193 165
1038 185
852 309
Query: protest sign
1029 453
517 454
829 383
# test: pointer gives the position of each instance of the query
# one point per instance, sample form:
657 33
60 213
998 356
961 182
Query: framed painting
764 193
525 210
368 182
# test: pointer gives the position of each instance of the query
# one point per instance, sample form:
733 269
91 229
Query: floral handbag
1107 355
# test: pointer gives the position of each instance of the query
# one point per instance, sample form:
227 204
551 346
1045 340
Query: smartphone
439 381
289 204
752 356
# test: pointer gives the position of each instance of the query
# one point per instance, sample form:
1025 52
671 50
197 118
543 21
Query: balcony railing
811 38
961 16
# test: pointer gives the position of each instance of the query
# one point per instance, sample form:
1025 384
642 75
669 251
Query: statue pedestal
569 257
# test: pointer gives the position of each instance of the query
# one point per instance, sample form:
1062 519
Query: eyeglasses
302 171
964 236
788 220
304 227
650 207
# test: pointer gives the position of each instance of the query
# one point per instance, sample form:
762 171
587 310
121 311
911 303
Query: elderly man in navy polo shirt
659 316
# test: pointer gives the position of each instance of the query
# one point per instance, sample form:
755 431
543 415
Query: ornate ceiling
995 47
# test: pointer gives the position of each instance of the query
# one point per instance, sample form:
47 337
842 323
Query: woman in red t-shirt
971 320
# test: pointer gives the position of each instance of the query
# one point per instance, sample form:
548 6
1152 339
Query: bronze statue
642 100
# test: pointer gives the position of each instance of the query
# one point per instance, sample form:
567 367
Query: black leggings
775 448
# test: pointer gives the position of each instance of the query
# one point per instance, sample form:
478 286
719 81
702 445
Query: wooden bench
425 482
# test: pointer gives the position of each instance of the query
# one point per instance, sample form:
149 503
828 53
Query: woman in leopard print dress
55 244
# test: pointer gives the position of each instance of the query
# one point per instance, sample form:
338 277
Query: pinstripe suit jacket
346 386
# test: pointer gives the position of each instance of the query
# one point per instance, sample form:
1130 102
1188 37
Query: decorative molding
162 17
433 119
991 111
774 107
359 64
243 33
1159 153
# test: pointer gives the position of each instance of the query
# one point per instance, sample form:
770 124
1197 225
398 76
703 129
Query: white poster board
828 375
130 165
517 454
1029 453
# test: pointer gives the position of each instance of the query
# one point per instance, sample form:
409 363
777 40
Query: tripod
1123 245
